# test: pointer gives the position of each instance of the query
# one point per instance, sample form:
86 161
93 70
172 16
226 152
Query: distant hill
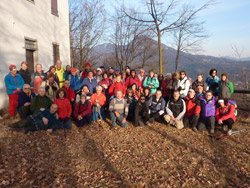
192 64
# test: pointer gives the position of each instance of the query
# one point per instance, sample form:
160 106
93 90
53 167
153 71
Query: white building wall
22 18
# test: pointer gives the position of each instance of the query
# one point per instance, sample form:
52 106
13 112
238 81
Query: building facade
35 31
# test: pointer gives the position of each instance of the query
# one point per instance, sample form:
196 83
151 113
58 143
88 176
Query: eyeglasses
143 99
26 88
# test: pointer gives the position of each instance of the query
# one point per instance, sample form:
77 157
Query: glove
47 88
179 88
54 88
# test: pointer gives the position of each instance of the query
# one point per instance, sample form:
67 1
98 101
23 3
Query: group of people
51 100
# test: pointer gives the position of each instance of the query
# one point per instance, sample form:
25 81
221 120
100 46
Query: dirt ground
157 156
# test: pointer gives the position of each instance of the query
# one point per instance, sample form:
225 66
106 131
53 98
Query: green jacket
40 102
226 89
148 80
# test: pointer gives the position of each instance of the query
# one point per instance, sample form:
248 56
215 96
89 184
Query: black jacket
26 76
141 109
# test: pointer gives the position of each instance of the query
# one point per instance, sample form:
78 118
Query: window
56 53
54 9
31 53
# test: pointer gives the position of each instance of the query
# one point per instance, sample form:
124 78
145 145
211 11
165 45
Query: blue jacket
212 83
156 106
91 85
148 80
75 81
23 98
12 83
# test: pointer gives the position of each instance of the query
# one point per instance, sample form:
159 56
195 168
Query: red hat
87 64
73 69
11 67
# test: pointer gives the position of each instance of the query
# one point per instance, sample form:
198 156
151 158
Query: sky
227 23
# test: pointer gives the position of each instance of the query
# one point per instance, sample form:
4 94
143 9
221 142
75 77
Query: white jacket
185 85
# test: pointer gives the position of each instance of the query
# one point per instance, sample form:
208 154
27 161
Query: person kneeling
42 119
64 109
156 106
141 112
193 109
118 108
225 114
82 112
98 101
176 109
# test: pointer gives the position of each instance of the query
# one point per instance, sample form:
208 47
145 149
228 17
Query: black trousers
229 122
24 111
191 121
206 123
23 126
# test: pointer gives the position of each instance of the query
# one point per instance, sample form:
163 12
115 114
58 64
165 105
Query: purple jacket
208 107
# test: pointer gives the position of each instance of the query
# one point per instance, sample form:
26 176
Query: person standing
60 73
133 79
24 72
37 78
152 82
14 84
50 86
91 82
226 88
212 81
183 84
85 72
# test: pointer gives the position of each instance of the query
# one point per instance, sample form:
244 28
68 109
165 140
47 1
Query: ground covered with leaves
157 156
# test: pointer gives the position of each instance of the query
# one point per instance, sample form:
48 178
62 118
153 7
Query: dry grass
157 156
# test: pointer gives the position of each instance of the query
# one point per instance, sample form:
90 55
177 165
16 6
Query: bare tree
126 38
162 17
189 36
87 25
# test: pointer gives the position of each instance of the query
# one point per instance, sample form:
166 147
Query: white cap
221 100
191 90
98 69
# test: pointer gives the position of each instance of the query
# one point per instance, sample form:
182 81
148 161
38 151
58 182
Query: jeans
96 114
117 120
87 118
191 121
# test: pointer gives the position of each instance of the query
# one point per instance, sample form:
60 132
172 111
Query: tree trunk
177 59
160 51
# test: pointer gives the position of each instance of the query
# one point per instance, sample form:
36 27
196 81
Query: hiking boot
91 125
229 132
195 129
149 124
141 123
223 128
112 127
212 131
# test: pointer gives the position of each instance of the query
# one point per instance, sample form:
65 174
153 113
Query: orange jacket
64 107
101 98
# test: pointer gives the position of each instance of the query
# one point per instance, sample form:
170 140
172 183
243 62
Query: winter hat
221 100
12 67
168 75
102 67
87 64
73 69
98 69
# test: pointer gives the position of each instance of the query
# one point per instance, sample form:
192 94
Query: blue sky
228 23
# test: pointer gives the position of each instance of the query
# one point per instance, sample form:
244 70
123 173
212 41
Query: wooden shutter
54 9
56 53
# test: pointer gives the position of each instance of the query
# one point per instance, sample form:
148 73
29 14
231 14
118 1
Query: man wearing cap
176 109
60 73
117 71
24 72
75 80
86 70
14 84
111 71
98 75
193 109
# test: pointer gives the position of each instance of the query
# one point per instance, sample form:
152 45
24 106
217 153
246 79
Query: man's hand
72 99
26 104
79 117
57 117
124 120
173 118
149 86
42 109
45 121
220 121
49 130
117 114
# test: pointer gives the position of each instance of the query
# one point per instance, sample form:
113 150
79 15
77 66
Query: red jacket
101 98
130 80
83 110
106 81
192 106
226 112
84 74
115 87
64 107
70 93
164 85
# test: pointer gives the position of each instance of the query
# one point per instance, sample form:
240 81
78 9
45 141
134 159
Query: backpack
231 102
